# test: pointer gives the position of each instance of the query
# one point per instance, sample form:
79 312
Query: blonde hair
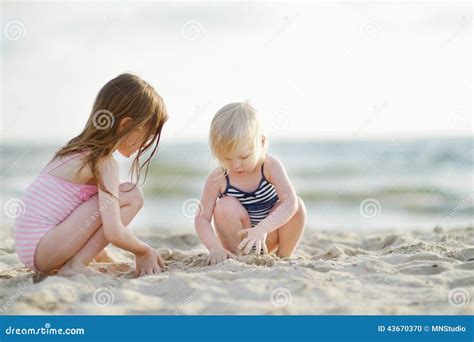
126 95
234 125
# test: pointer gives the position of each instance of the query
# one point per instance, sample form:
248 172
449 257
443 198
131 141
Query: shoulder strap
263 174
55 163
227 180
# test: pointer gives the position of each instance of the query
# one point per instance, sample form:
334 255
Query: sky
312 70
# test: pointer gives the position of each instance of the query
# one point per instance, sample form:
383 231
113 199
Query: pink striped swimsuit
48 201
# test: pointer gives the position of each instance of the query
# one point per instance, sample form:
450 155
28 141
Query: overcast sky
313 70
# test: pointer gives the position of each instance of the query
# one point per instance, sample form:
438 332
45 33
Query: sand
331 273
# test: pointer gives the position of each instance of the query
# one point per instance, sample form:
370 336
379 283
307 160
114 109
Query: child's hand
219 255
148 263
255 237
104 256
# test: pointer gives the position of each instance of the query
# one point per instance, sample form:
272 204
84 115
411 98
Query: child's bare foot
104 256
69 270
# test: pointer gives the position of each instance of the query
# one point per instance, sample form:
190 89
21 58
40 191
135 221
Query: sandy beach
331 273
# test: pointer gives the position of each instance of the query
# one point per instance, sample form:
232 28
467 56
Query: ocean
346 184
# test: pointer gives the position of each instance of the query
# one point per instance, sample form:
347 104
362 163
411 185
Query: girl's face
244 159
132 142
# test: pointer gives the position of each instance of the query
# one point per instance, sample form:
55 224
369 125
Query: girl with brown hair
77 205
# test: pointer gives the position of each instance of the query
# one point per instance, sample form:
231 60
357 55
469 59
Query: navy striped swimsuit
258 203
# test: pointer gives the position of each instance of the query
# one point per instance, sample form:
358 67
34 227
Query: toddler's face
243 160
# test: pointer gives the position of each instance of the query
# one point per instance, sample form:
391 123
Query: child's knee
272 241
138 198
133 193
301 212
228 207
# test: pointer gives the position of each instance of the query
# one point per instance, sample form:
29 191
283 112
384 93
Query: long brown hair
126 95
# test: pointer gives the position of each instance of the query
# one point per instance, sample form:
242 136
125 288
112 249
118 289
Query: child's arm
202 221
115 231
286 208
